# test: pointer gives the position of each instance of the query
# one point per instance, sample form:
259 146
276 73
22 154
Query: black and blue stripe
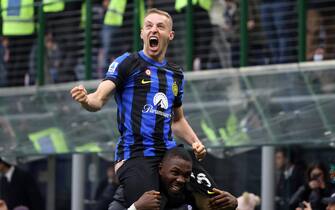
145 103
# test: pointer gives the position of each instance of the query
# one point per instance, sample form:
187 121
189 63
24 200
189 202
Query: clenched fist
199 150
79 94
149 200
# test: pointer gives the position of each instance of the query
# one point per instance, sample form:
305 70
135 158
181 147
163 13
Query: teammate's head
175 170
156 33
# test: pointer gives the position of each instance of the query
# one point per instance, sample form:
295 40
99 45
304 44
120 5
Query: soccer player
180 188
148 92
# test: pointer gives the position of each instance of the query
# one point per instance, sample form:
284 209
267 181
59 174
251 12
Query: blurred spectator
118 21
70 39
18 26
225 47
329 201
4 57
18 188
320 20
321 38
316 187
279 22
110 25
202 30
248 201
53 11
319 54
52 61
255 39
98 13
289 177
256 46
106 189
220 53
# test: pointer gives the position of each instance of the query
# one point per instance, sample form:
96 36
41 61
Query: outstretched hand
149 200
199 150
222 200
79 94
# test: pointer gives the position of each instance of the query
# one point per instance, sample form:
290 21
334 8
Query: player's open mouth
175 188
153 41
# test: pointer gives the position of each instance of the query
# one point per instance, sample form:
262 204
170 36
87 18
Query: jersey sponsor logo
112 67
143 81
159 100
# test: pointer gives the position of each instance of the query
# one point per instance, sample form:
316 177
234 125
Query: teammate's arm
96 100
182 129
149 200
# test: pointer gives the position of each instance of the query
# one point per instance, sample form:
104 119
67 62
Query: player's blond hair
160 12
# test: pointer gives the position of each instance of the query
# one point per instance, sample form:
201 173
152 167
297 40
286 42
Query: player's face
174 174
156 35
280 160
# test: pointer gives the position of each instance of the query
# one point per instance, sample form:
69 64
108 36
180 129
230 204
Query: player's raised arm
96 100
182 129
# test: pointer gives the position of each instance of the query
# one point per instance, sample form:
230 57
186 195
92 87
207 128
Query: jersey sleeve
179 98
117 73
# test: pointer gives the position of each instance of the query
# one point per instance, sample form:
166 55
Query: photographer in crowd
317 187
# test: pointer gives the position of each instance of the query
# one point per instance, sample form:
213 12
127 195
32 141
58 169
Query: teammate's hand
79 94
149 200
199 150
222 200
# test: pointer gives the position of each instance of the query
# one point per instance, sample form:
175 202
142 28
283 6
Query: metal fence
77 44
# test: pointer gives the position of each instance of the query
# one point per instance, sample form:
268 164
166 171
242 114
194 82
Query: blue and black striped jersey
146 93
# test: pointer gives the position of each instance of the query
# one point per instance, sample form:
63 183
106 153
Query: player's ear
171 35
141 34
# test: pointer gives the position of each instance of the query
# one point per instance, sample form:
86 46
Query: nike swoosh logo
210 192
145 81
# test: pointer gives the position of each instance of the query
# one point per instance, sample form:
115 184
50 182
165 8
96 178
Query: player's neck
159 58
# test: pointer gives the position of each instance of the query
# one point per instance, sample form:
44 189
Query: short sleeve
179 98
117 72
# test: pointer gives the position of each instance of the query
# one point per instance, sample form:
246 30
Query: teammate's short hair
177 152
160 12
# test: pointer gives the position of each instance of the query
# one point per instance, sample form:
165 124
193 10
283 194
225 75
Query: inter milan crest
175 89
